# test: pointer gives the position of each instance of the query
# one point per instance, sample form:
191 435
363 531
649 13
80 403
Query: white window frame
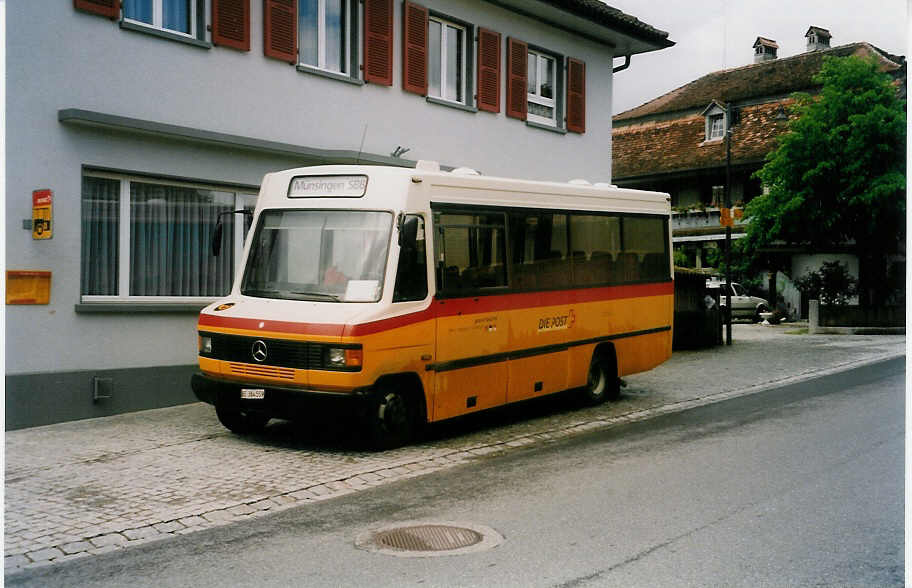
541 58
241 197
711 134
443 60
158 19
321 39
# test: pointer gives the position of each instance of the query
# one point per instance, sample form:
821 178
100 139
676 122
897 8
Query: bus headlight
335 357
340 357
205 345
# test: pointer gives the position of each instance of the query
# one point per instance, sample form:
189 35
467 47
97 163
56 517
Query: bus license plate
253 393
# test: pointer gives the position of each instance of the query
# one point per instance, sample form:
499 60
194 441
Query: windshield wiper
320 296
262 292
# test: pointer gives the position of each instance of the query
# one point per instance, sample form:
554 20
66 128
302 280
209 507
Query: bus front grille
274 353
265 371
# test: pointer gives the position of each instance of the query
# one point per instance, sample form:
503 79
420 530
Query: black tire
757 317
602 381
242 422
391 418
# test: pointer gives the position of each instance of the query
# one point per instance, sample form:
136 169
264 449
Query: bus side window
411 274
644 238
471 251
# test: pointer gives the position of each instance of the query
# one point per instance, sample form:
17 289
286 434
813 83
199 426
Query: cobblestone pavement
88 487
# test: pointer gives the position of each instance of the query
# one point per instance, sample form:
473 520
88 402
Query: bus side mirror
408 232
217 238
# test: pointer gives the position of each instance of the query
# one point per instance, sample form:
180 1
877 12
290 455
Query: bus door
472 329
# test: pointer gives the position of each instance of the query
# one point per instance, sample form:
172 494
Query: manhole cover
430 539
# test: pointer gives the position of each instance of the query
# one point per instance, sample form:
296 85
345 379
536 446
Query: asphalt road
802 485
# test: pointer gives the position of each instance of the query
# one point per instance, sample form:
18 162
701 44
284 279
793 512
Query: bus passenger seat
451 280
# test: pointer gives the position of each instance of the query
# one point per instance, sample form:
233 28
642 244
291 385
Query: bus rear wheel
602 380
241 422
390 419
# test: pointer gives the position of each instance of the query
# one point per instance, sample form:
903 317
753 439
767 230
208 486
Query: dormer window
716 127
715 122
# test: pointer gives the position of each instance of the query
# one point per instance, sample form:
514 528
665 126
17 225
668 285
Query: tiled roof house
675 144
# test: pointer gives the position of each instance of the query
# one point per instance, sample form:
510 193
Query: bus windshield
322 255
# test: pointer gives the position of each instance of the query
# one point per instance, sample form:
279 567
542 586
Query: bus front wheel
391 419
241 422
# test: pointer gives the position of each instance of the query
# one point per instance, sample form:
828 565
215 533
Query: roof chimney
818 39
765 49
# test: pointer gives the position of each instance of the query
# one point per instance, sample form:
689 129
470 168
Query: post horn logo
258 351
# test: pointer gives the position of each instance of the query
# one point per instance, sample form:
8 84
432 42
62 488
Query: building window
177 16
446 60
541 88
325 34
716 127
717 196
149 239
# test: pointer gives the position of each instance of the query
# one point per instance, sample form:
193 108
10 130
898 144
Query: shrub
831 284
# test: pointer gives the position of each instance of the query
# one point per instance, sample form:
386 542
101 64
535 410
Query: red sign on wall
42 205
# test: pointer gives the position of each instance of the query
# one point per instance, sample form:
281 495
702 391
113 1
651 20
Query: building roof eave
594 20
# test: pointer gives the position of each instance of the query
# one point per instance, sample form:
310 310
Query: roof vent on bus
605 185
427 166
580 182
465 171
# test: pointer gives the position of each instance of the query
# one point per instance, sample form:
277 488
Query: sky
711 35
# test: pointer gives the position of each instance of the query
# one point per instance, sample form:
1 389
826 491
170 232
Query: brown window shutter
415 48
108 8
231 23
488 70
576 96
517 70
378 42
280 29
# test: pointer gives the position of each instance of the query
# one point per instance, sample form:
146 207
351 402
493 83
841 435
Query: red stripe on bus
494 303
297 328
447 307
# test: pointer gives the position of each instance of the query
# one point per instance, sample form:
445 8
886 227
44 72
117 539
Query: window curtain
307 24
176 15
140 10
170 236
100 236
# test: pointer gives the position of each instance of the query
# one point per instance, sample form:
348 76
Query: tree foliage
838 175
832 284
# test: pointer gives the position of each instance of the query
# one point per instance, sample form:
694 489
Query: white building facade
146 119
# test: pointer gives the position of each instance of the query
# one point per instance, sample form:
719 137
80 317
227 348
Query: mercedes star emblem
258 351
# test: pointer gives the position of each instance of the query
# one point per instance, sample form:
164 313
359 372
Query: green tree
837 176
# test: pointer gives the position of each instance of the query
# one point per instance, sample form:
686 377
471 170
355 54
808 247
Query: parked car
744 306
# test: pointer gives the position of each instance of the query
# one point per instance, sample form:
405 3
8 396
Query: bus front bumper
276 401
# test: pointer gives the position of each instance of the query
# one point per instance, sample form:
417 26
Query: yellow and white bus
419 295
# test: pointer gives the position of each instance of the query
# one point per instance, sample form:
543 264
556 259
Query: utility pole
728 230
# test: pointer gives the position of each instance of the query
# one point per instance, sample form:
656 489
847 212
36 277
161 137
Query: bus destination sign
327 187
